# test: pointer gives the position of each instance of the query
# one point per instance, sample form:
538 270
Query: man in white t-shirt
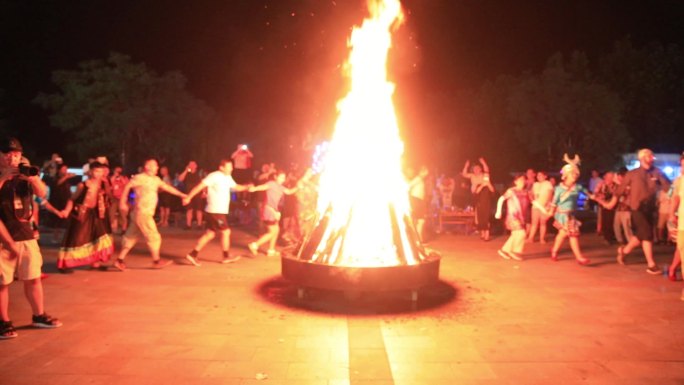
218 185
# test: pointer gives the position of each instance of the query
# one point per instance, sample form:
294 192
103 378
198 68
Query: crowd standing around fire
83 213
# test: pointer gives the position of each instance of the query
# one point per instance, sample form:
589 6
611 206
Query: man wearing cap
20 255
644 183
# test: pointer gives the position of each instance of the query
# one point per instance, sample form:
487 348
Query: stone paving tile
246 370
534 322
310 371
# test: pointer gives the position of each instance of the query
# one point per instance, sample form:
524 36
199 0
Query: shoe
653 270
621 255
231 259
554 258
583 262
272 253
672 277
161 263
45 321
7 330
119 265
503 254
515 257
253 248
192 260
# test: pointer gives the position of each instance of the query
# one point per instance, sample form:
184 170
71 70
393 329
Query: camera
244 146
28 170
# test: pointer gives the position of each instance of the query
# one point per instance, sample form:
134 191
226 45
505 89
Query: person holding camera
242 164
20 255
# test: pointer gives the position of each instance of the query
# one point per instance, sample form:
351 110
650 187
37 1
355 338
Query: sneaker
192 260
45 321
119 265
515 256
653 270
272 253
253 248
231 259
7 330
161 263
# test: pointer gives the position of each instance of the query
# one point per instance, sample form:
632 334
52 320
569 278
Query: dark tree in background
650 82
562 110
126 111
627 99
4 121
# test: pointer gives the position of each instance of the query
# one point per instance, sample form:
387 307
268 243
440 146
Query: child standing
517 208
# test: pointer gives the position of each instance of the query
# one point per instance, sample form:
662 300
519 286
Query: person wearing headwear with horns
563 209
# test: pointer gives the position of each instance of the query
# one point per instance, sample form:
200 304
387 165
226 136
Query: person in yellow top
146 186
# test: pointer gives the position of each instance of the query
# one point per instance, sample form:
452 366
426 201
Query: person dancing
146 186
517 208
88 239
542 193
563 209
218 184
271 214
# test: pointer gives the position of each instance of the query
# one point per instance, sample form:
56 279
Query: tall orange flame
362 191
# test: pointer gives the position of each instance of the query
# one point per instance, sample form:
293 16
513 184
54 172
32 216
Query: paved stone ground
489 321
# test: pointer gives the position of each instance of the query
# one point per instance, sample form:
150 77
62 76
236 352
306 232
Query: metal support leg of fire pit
414 299
414 296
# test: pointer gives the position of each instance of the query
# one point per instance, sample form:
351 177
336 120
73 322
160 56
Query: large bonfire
363 206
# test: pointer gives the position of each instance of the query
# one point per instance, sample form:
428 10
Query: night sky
261 56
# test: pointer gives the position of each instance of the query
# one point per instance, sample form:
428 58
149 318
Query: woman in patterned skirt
88 239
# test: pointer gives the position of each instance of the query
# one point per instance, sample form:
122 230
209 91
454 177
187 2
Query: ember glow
363 194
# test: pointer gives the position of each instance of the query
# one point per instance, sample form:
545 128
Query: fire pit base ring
360 279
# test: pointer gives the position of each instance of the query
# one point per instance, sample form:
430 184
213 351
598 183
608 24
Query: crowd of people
82 214
634 208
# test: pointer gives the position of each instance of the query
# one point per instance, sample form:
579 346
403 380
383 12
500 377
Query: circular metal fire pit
306 274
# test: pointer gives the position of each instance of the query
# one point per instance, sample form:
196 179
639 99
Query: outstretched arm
196 190
465 172
70 203
261 187
499 206
241 187
39 188
485 167
172 190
